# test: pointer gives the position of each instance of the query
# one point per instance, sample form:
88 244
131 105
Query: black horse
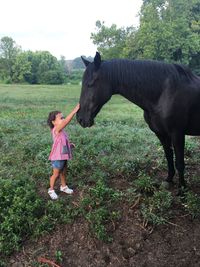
169 94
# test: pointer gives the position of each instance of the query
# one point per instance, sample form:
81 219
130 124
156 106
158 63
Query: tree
35 67
169 30
44 66
146 42
195 27
21 67
52 77
49 67
3 70
8 53
111 41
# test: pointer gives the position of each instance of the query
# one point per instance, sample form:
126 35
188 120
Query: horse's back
169 93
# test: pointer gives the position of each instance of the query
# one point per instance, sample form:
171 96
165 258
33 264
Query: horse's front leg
167 146
178 140
166 142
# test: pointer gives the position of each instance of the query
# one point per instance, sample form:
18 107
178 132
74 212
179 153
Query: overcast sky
63 27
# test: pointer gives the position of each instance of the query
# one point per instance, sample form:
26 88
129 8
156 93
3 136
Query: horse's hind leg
178 141
167 146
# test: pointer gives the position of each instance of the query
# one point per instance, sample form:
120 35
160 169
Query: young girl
61 150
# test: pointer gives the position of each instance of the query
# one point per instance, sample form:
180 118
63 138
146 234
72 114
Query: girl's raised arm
67 120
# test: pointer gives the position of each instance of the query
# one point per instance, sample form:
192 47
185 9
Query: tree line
40 67
169 30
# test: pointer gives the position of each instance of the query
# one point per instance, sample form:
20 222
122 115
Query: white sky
63 27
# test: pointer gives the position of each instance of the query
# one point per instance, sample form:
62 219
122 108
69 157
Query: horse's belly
194 132
193 126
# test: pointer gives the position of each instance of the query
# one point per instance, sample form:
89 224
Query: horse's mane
148 76
136 70
185 71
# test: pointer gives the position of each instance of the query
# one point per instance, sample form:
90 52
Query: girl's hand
67 120
76 108
72 145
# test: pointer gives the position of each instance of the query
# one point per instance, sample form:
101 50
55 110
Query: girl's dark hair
52 117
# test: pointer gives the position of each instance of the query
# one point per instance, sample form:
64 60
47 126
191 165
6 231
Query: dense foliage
169 31
40 67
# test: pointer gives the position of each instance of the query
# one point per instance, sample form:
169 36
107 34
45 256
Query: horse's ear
97 60
85 61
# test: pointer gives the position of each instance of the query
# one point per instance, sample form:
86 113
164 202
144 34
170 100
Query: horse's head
95 92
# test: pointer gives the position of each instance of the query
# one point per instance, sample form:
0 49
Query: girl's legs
63 176
64 188
53 178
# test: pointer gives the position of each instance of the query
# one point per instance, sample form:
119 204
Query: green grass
119 145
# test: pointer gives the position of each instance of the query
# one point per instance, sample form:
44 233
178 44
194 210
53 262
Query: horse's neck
135 96
137 88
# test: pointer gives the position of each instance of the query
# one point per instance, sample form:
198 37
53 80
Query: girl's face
58 119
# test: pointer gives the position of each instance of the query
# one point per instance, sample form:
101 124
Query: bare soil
134 243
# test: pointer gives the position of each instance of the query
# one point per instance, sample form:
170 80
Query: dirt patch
133 245
174 244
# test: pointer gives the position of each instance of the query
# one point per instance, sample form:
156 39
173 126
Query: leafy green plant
155 209
190 146
2 263
20 210
103 193
98 219
97 209
131 194
58 256
191 203
144 184
24 213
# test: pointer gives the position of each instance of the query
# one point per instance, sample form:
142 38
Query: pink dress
60 140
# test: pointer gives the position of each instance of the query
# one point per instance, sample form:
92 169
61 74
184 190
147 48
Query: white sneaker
66 190
52 194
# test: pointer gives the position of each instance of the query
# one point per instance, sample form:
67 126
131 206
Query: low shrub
97 208
23 213
20 210
191 203
155 209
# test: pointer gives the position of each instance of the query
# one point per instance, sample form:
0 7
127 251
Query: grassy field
119 145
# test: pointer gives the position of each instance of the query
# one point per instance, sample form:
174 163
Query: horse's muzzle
84 122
